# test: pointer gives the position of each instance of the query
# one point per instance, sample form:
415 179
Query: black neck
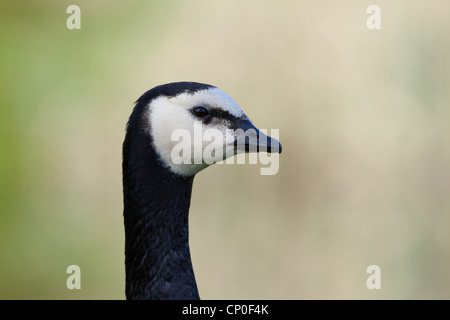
156 207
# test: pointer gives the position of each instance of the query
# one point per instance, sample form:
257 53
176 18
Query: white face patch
173 125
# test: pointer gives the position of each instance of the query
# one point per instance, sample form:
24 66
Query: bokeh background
363 116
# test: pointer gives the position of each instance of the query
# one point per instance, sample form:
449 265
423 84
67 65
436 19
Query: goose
157 187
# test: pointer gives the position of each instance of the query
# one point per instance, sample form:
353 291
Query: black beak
251 139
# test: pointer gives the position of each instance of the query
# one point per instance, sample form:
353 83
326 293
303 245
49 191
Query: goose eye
200 112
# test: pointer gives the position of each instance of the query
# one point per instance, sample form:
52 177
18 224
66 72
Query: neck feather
156 208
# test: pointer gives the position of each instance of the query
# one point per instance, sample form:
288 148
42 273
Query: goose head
195 125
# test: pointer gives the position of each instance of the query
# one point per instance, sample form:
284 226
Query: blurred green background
363 117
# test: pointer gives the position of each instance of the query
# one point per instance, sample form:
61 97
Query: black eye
200 112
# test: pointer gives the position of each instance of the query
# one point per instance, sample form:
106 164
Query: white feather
168 114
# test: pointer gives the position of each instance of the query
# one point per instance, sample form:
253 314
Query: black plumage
156 206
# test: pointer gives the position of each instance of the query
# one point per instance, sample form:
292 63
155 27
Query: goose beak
251 139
